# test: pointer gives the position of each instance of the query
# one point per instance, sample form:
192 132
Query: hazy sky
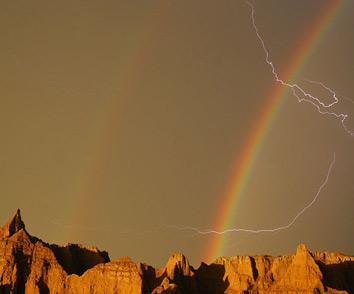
118 118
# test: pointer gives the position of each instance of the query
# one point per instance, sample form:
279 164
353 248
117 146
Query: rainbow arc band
273 104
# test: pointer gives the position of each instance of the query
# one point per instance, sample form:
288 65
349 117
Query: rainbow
88 181
242 168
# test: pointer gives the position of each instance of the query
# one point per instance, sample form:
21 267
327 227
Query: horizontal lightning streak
284 227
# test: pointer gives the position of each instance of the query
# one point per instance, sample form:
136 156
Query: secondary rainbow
242 168
106 128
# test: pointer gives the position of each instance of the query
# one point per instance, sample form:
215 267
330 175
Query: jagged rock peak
178 264
14 225
301 248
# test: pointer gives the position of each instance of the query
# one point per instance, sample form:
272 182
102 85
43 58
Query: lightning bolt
321 107
334 95
257 231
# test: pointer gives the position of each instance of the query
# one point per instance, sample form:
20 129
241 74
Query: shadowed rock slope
29 265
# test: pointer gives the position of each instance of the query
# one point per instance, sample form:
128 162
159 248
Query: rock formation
29 265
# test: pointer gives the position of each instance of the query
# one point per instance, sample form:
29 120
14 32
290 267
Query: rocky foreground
29 265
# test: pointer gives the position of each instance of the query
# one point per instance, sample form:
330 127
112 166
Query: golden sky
118 118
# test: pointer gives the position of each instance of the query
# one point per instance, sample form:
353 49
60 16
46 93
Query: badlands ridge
30 265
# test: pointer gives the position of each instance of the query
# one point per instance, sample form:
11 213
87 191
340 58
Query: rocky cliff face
29 265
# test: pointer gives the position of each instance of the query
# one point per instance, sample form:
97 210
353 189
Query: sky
120 119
